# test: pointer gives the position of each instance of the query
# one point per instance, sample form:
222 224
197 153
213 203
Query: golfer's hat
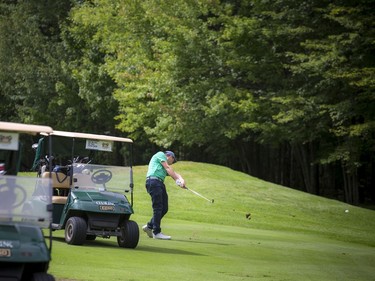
170 153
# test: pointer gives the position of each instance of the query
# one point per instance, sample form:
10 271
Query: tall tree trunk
351 191
300 158
284 164
314 169
244 156
304 155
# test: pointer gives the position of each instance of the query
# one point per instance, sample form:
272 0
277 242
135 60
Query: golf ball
346 211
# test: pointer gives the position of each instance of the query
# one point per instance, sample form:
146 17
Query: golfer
158 168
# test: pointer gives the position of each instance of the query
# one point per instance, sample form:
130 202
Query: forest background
282 90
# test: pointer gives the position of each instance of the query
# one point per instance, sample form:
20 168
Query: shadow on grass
163 250
202 242
100 243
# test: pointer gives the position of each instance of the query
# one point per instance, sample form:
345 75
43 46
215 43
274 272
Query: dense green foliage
283 90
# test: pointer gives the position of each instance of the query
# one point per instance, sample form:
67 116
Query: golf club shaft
200 195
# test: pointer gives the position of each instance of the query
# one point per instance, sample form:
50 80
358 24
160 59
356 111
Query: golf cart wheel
42 276
75 231
129 234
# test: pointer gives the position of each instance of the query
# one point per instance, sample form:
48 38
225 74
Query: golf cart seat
60 185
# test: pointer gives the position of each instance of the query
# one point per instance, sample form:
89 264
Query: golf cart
25 209
90 174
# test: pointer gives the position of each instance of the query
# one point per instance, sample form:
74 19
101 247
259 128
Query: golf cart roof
90 136
25 128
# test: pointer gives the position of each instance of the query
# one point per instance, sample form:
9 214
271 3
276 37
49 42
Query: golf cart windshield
101 178
25 199
22 199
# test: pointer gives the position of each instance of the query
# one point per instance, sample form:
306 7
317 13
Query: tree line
282 90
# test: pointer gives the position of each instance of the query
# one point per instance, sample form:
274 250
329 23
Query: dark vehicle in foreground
25 209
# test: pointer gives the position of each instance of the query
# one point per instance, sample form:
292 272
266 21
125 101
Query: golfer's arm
170 171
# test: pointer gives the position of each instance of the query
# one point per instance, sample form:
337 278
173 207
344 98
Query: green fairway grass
254 230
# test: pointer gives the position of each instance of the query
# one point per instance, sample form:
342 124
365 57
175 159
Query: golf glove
178 182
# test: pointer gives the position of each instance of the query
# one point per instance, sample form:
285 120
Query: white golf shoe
147 230
162 236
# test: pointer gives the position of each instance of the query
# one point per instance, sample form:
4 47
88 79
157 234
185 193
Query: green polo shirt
155 168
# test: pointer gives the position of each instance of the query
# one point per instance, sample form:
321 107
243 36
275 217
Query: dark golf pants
159 198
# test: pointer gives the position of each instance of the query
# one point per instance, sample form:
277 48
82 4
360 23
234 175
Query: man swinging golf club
158 168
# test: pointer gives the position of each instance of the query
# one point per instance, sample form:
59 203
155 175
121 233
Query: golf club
200 195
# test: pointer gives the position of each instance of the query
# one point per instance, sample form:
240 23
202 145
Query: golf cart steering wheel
13 196
101 176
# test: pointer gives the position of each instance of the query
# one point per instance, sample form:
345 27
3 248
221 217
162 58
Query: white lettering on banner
99 145
9 141
104 203
6 244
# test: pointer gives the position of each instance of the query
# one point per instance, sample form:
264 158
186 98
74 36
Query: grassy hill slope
290 235
271 206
